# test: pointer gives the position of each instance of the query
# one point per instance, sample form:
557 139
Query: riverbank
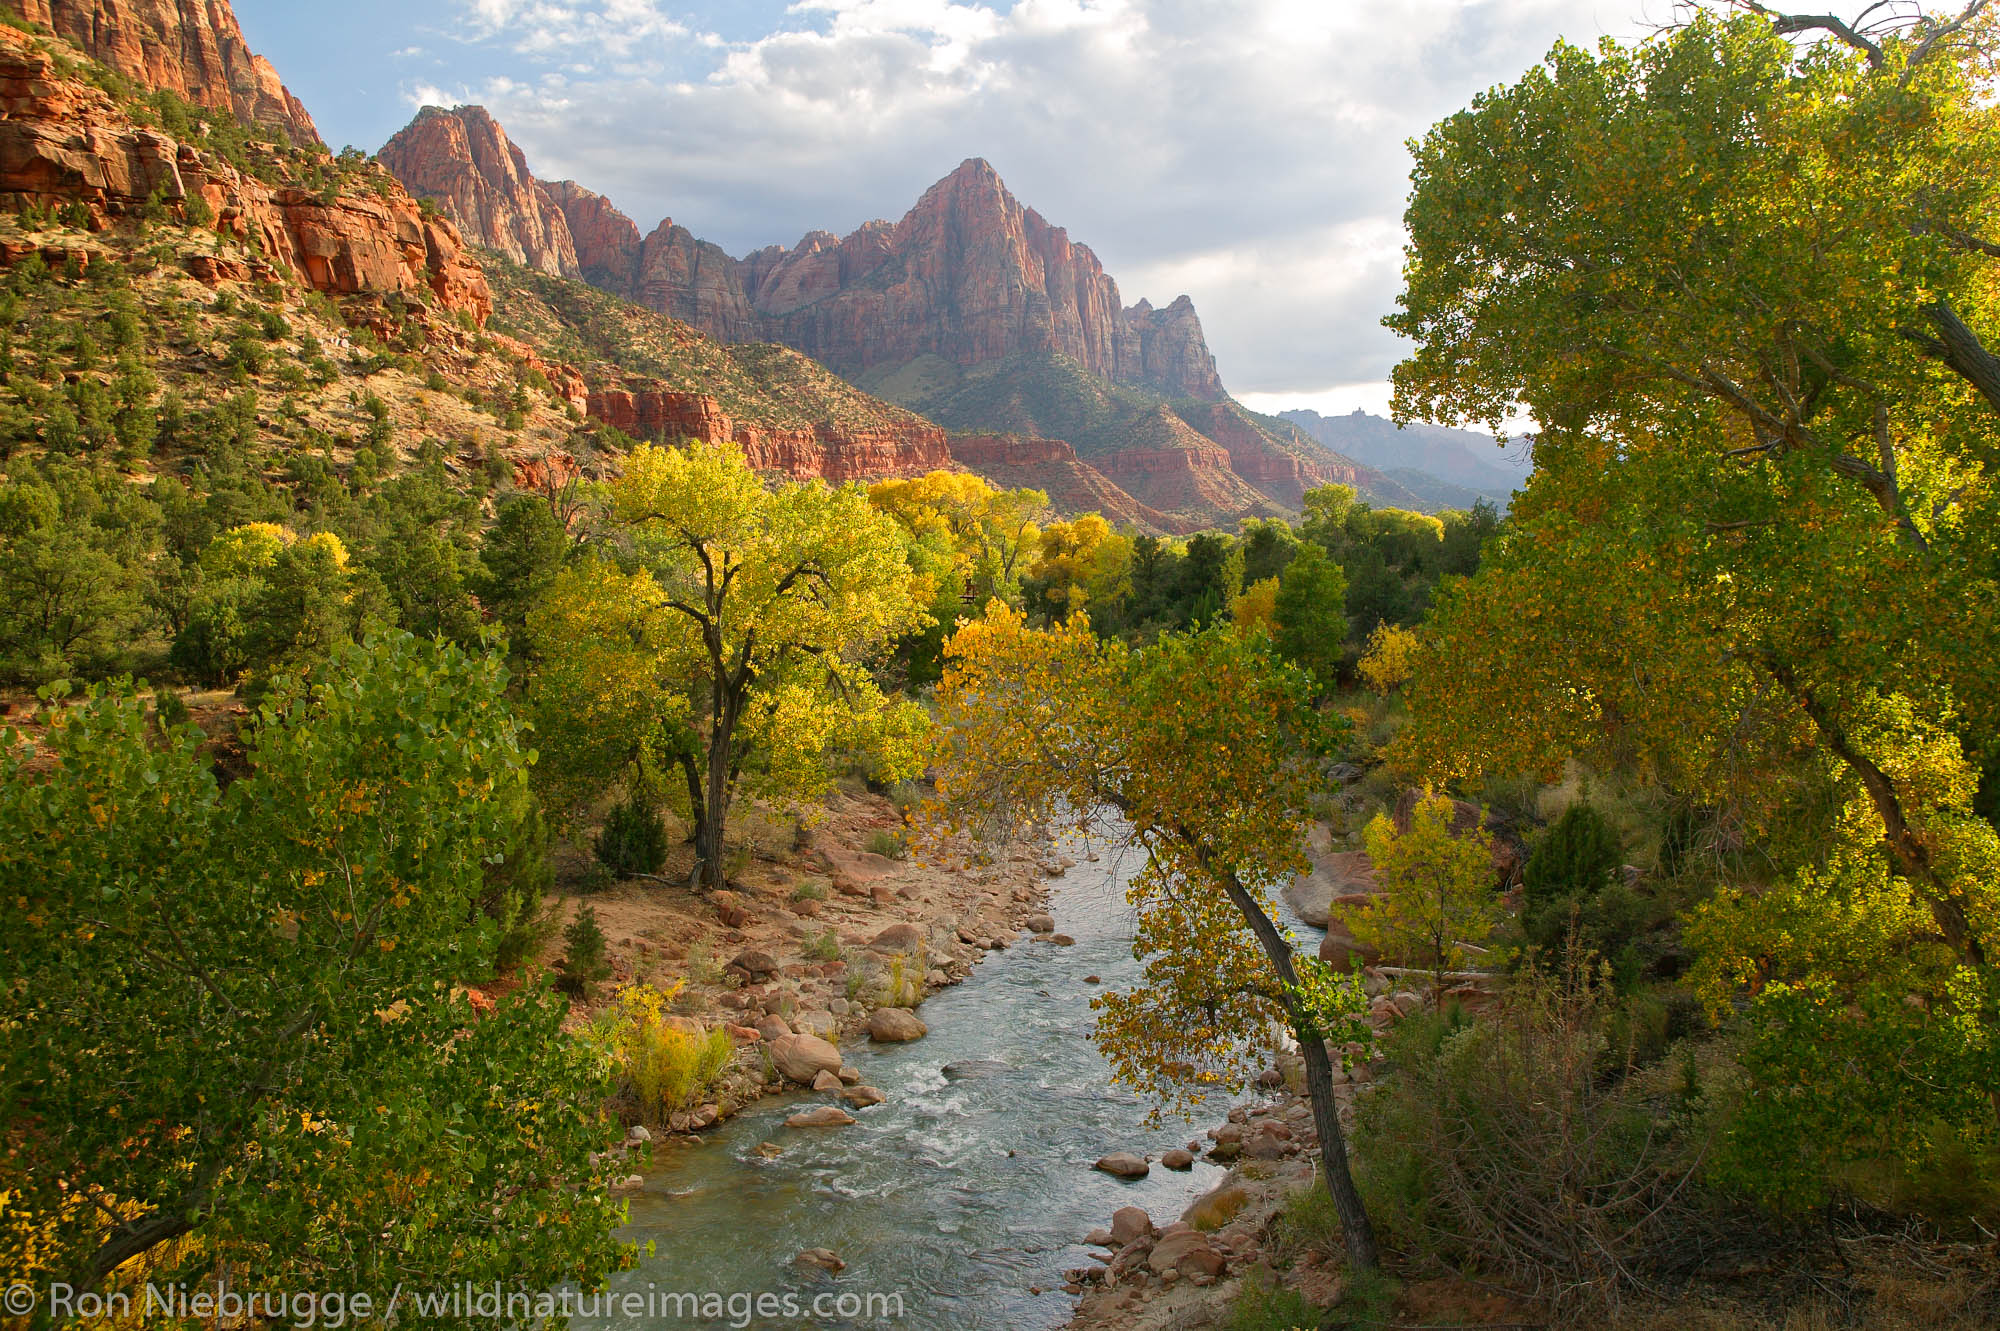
807 938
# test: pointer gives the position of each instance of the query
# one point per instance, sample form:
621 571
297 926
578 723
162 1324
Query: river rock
848 1076
773 1027
639 1132
828 1081
756 965
704 1116
1216 1208
894 1025
801 1058
817 1021
826 1116
1041 924
1178 1159
1187 1253
862 1096
1340 949
1128 1223
1124 1164
972 1068
1099 1238
904 937
630 1183
822 1258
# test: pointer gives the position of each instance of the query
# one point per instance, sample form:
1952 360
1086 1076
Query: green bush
1264 1305
1574 896
633 839
583 961
887 844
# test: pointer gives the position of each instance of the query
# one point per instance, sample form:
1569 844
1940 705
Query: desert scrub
903 979
826 947
812 889
667 1067
888 844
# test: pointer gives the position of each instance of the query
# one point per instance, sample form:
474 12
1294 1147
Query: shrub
826 947
633 839
668 1067
810 890
1264 1305
1573 895
583 961
888 844
1504 1148
903 980
170 710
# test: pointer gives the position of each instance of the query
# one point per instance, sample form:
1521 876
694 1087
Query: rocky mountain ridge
89 145
972 310
193 48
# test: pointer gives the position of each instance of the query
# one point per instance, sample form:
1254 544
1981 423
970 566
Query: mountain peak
464 162
194 48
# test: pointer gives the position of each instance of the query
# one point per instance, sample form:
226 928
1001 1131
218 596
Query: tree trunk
714 813
1355 1228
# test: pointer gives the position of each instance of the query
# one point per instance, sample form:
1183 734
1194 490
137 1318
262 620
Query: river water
963 1192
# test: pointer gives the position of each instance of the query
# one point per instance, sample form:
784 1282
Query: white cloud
1248 155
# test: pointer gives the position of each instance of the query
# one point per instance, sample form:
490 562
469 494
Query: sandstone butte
190 47
63 141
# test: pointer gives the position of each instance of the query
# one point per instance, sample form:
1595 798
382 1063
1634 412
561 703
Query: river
962 1193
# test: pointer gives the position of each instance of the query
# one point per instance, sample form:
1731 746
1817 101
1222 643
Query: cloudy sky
1249 154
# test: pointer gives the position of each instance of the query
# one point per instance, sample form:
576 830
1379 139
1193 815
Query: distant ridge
1462 465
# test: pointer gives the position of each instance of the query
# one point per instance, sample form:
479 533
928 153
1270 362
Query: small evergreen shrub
583 961
887 844
1574 895
633 840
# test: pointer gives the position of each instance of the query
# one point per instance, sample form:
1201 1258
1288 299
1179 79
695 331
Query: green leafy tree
521 553
1742 282
1311 612
235 1044
1437 891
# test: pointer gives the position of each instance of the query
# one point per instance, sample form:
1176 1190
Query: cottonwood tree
1738 274
1437 891
235 1041
1207 749
737 651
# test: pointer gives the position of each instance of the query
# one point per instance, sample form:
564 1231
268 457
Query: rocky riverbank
819 941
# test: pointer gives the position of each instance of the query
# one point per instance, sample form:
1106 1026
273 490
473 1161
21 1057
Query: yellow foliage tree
993 532
1082 563
1256 607
738 650
1390 658
1208 752
1438 891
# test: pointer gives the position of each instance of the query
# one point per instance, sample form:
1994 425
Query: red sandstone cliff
606 240
191 47
829 451
464 162
970 275
63 141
